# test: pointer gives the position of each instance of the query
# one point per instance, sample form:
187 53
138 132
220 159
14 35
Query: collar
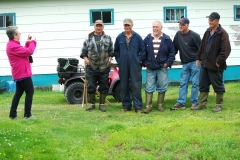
158 37
90 35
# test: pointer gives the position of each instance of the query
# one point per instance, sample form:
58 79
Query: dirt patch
140 150
119 148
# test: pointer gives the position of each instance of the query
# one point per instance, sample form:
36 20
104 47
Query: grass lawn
64 131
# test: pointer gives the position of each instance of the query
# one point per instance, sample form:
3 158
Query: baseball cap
98 22
213 16
184 21
127 21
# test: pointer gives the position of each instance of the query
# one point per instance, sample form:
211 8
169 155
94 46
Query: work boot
160 101
202 102
177 106
102 102
219 101
92 102
148 103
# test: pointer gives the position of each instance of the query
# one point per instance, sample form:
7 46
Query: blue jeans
156 80
189 70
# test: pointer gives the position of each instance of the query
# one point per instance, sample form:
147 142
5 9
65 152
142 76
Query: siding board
61 26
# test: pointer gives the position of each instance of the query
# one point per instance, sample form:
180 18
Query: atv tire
74 93
117 93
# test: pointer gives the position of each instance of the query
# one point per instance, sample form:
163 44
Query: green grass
65 131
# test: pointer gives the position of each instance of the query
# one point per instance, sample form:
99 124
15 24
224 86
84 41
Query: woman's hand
31 37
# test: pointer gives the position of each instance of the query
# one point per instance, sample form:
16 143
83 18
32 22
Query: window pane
96 16
179 13
238 13
1 21
168 14
9 21
107 17
172 15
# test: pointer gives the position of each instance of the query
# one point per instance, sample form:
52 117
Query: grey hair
11 31
160 23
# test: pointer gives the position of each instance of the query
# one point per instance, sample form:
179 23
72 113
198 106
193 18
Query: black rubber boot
102 102
92 102
219 101
202 102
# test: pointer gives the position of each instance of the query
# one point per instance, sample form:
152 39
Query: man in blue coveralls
130 52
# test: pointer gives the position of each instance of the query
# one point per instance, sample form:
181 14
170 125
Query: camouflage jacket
98 60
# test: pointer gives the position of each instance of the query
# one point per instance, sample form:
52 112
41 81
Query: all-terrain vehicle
72 76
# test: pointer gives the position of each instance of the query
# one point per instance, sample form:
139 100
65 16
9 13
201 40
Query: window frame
102 10
173 7
235 12
9 14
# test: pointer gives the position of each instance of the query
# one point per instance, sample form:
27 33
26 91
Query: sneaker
31 117
15 117
126 109
177 106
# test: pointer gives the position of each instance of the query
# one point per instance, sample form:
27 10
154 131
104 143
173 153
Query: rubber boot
202 101
102 102
149 97
92 102
219 101
160 101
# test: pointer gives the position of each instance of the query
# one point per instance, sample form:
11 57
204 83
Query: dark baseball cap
213 16
184 21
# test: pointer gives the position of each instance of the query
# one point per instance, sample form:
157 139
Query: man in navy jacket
129 53
160 55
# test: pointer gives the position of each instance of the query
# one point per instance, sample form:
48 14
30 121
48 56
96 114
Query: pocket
90 46
122 47
106 46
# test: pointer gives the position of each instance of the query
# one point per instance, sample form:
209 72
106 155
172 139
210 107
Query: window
236 12
106 15
7 19
174 14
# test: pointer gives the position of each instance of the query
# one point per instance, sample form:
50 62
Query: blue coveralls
129 60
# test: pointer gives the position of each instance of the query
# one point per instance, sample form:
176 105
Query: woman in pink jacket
18 57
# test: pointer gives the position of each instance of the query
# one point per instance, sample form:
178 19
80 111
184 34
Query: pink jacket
18 57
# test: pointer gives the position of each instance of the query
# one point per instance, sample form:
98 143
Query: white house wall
61 26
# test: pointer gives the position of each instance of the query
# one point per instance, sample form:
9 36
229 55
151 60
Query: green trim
173 7
101 10
235 12
9 14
